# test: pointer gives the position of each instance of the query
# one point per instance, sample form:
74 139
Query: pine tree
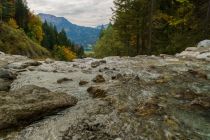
22 14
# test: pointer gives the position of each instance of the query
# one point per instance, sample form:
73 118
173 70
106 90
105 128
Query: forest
154 27
16 14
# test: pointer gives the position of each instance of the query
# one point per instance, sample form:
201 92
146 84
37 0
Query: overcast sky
81 12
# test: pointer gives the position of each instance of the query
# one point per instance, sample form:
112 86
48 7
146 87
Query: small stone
95 64
75 66
103 61
191 49
198 74
117 77
62 80
82 83
96 92
137 78
49 61
148 109
114 77
99 79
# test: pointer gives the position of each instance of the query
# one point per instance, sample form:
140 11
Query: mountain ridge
81 35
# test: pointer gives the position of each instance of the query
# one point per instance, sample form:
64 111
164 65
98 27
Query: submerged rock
30 103
82 83
99 79
63 80
7 74
96 92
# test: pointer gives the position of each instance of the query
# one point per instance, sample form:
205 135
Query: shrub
12 23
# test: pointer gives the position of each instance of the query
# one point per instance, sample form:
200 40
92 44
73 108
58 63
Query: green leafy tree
8 9
109 44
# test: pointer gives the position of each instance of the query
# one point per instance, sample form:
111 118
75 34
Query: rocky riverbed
115 98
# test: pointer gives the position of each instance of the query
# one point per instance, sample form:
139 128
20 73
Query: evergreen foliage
158 26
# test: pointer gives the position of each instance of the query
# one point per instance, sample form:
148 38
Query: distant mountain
103 26
81 35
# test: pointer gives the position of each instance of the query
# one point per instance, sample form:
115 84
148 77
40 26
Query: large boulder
204 43
7 74
23 64
30 103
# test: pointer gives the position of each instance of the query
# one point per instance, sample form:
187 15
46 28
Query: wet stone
99 79
49 61
63 80
96 92
117 77
7 74
95 64
198 74
30 103
83 82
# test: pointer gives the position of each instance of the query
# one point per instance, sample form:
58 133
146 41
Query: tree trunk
207 19
150 27
138 39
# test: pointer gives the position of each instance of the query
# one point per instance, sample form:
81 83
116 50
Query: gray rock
95 64
49 61
102 61
2 53
7 74
203 55
23 64
191 49
117 77
204 43
30 103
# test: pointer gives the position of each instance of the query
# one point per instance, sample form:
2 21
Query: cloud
81 12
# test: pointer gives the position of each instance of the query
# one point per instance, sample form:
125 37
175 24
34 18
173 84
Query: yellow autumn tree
35 28
70 55
64 53
12 23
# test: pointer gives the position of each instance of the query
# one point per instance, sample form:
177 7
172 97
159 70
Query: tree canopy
159 26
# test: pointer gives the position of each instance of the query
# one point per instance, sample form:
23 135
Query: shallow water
140 105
